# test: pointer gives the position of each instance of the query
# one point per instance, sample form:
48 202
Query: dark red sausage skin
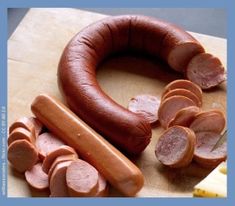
77 73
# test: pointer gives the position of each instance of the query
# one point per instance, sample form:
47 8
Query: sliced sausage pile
48 162
190 133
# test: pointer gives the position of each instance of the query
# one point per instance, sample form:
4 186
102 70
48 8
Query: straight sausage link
93 148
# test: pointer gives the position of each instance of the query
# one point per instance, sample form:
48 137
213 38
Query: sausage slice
82 179
46 143
50 157
103 188
24 122
37 125
58 185
146 106
59 159
20 133
212 121
170 106
22 155
184 117
183 84
175 147
206 71
36 178
185 93
203 154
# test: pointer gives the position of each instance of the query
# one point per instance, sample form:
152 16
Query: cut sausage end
180 56
206 71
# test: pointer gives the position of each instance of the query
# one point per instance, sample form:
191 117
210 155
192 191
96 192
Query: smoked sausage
78 63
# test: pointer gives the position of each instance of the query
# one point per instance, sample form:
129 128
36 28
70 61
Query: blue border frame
229 5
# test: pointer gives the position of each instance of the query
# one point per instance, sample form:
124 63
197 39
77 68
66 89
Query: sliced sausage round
211 121
24 122
170 106
50 157
20 133
103 188
146 106
185 93
206 71
46 143
37 125
22 155
36 178
183 84
82 179
204 153
175 147
59 159
185 116
58 185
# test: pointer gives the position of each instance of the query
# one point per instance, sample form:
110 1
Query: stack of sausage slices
191 134
48 162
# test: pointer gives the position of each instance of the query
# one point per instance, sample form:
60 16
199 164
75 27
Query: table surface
34 50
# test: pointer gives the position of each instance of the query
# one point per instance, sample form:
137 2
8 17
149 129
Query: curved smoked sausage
77 72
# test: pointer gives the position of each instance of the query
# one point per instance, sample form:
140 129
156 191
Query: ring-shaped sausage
77 72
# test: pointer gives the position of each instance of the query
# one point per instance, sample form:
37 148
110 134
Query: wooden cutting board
34 50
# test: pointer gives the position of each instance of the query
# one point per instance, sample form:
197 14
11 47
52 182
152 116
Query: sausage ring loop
77 72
